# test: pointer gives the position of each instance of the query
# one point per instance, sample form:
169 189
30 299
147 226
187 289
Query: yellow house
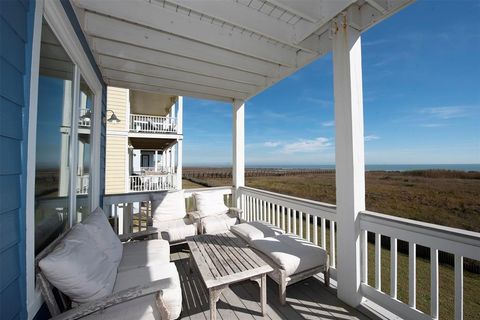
144 146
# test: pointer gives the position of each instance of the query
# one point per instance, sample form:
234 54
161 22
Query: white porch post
349 155
180 142
238 128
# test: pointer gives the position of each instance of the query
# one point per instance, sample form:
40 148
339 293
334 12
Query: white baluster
459 287
364 256
323 235
332 244
412 274
378 261
393 268
315 230
434 283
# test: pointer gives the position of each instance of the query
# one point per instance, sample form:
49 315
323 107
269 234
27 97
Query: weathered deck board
308 299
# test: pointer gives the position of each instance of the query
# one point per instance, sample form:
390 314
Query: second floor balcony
140 123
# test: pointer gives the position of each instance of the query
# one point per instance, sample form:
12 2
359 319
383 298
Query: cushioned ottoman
292 258
254 230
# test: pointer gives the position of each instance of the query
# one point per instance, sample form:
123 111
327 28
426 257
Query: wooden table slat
239 253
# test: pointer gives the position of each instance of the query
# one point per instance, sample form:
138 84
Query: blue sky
421 85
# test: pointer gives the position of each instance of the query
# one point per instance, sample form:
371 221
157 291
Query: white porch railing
153 182
84 121
460 243
152 124
312 220
82 184
132 211
160 169
316 222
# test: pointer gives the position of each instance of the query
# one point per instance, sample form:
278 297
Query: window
65 116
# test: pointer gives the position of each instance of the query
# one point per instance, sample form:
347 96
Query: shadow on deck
308 299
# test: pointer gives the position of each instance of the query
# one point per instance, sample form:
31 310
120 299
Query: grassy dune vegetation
448 198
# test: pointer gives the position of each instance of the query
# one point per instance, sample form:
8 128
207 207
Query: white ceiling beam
297 8
153 15
381 7
162 90
174 85
328 11
109 28
247 18
370 16
114 63
161 59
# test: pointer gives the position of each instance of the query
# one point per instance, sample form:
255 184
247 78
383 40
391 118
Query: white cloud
272 144
445 113
317 101
371 137
306 145
328 123
431 125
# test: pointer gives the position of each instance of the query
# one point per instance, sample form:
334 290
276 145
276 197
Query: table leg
263 294
214 297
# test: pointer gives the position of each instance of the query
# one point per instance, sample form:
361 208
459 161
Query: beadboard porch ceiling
215 49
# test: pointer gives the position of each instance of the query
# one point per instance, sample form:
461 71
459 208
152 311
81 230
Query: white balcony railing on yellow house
153 182
152 124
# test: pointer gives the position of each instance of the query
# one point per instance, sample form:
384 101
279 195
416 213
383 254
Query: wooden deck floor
308 299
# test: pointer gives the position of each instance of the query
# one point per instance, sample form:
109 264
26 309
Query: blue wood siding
16 29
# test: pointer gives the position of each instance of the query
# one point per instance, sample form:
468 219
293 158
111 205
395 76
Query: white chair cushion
176 230
168 205
102 233
144 254
291 253
172 294
78 268
210 203
256 230
218 223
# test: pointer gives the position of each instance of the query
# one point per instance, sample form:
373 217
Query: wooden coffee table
223 259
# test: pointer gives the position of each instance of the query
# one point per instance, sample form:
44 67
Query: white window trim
60 24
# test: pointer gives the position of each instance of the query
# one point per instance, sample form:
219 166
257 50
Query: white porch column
349 156
180 142
156 160
238 135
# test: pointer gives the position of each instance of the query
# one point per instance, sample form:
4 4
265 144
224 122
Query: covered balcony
230 52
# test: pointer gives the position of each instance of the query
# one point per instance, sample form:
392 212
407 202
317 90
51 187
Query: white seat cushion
291 253
102 233
143 308
218 223
210 203
168 206
78 268
256 230
175 230
172 294
144 254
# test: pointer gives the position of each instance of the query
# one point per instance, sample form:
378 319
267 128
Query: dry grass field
442 197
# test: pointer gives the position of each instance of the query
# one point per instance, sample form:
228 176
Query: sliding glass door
65 117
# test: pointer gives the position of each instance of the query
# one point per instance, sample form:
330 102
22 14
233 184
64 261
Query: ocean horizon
368 167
